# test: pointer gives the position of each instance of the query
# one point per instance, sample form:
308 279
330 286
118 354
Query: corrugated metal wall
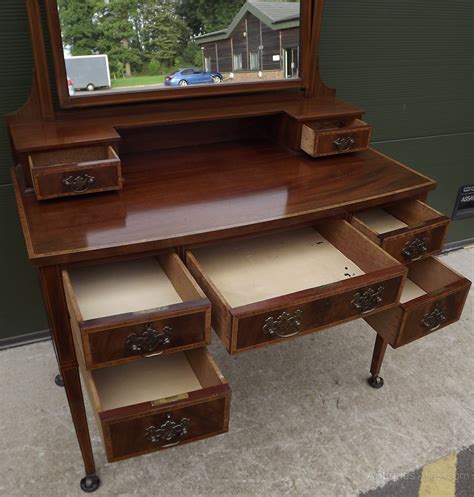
409 64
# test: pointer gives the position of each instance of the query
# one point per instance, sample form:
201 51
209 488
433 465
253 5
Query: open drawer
157 403
273 287
130 309
75 171
433 297
407 230
320 139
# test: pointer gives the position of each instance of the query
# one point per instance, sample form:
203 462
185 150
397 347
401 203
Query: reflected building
262 42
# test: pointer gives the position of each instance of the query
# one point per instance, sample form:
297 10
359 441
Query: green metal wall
409 64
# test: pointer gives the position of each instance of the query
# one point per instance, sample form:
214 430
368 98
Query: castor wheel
90 483
59 380
375 381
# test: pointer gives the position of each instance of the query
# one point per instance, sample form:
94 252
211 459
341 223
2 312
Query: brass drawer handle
285 325
434 319
367 302
169 433
148 341
79 183
415 249
344 143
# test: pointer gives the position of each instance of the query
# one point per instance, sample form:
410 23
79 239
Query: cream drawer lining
117 288
251 270
380 221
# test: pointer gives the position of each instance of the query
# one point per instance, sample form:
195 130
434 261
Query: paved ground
303 420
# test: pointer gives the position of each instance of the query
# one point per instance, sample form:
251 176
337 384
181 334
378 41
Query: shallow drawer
75 171
270 288
408 230
158 403
319 139
137 308
433 297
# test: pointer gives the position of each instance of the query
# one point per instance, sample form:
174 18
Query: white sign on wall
276 58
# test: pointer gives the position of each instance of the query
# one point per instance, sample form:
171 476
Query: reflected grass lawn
138 81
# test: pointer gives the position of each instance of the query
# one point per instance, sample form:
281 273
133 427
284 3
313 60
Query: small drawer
128 310
158 403
433 297
75 171
270 288
408 230
319 139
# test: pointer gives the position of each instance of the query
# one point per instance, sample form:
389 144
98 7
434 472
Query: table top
198 193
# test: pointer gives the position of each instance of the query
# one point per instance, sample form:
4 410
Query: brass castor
59 380
90 483
375 381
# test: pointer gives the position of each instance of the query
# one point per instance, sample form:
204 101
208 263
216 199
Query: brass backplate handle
79 183
367 301
285 325
416 248
148 341
344 143
434 319
169 433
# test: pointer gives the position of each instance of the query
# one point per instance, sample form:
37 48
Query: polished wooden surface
90 126
180 196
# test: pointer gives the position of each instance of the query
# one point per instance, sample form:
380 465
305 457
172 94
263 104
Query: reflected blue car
185 77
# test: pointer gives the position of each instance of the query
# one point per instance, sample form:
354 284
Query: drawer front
135 436
431 316
316 314
77 181
340 142
414 244
162 336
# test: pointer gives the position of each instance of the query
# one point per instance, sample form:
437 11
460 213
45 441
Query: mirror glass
135 45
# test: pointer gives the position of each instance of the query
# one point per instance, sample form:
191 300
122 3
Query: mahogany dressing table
257 208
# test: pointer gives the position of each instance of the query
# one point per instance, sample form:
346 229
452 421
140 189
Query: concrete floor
303 419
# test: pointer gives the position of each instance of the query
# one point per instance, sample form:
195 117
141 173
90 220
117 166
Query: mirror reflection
126 45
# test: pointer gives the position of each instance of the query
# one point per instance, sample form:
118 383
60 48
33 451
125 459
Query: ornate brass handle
79 183
169 433
415 249
285 325
434 319
344 143
148 341
367 302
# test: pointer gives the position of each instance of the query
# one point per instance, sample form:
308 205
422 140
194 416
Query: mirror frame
310 15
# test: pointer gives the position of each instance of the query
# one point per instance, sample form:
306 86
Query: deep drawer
75 171
137 308
158 403
274 287
433 297
322 139
408 230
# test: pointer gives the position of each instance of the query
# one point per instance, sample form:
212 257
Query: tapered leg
58 316
376 381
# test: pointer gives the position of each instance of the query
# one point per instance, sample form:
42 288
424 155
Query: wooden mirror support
283 175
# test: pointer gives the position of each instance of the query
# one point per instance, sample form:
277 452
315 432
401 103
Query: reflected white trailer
88 72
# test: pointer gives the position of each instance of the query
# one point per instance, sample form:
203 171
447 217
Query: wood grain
178 196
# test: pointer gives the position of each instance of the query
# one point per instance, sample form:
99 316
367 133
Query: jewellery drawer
319 139
408 230
433 297
75 171
273 287
159 402
127 310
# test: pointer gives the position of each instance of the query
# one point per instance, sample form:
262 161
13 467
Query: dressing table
256 208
